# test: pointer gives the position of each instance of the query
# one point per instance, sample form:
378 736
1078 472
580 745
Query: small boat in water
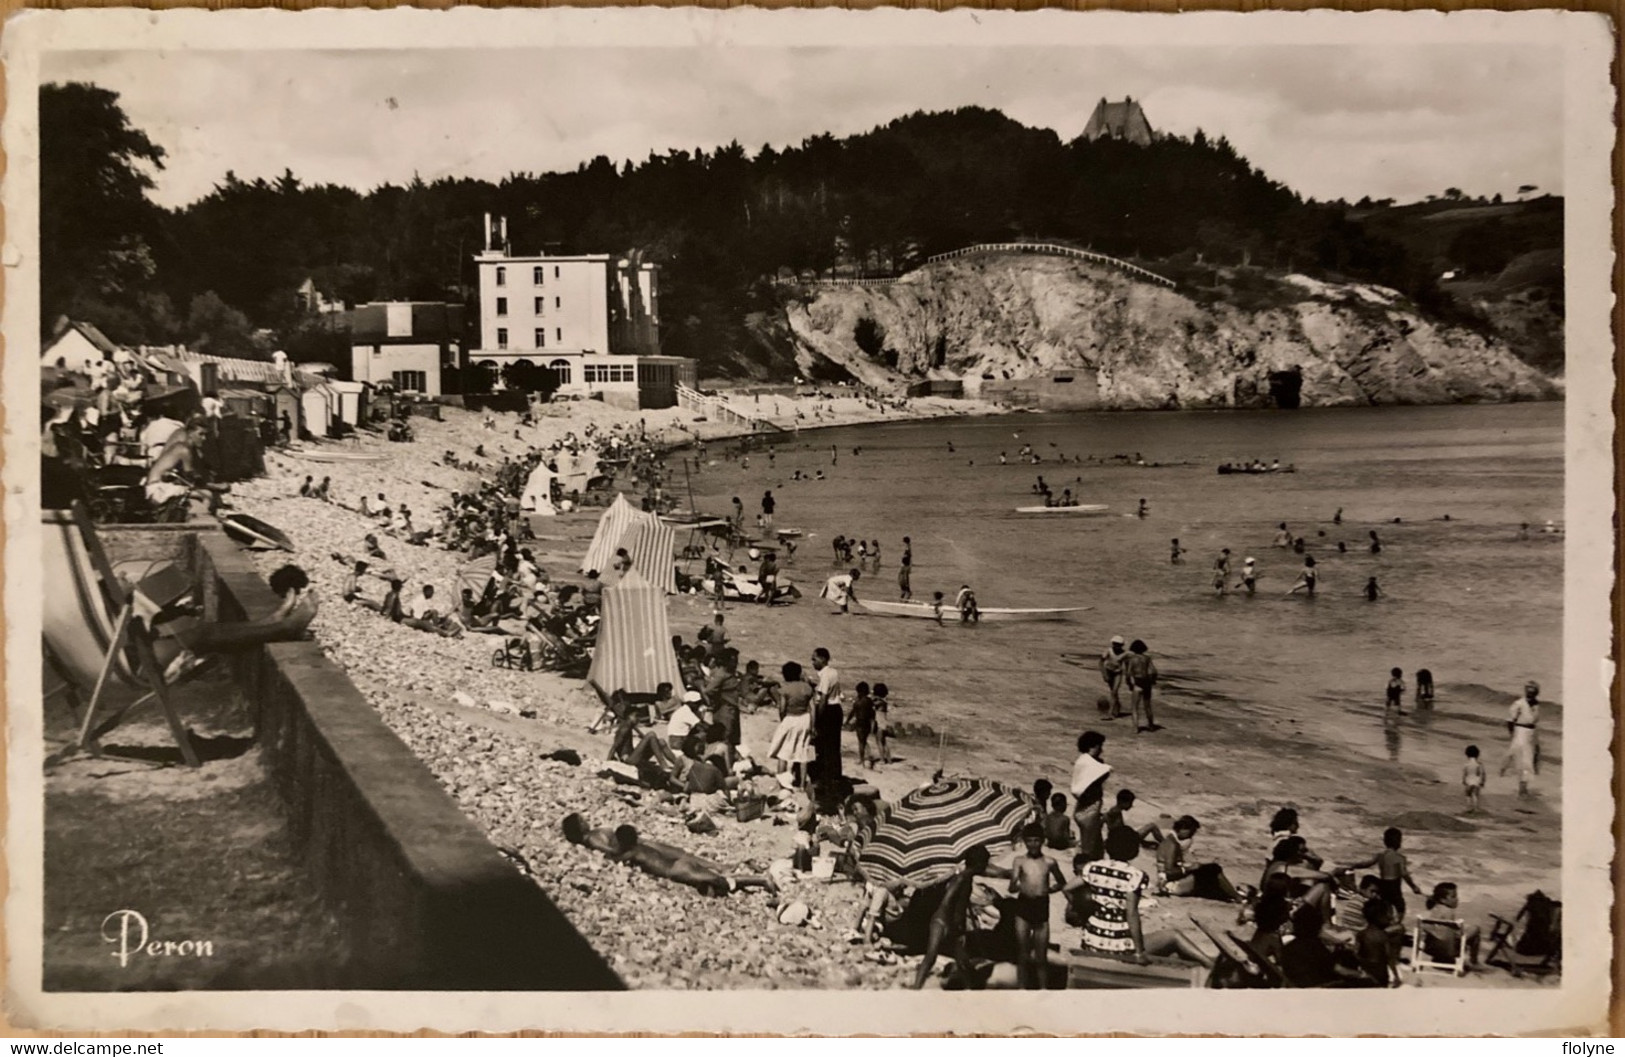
1076 508
1227 468
950 615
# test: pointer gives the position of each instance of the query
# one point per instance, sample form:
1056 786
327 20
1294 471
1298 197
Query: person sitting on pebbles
624 844
184 639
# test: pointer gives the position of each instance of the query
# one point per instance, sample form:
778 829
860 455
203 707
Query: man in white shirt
156 434
829 680
423 606
683 720
1524 751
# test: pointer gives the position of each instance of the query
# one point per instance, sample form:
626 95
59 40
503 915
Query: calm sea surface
1465 597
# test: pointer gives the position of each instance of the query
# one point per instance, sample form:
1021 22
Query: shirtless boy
1033 877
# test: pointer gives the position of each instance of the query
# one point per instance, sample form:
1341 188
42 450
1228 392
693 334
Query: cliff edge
1021 328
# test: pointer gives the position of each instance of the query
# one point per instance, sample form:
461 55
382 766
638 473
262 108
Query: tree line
222 272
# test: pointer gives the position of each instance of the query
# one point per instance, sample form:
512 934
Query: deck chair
1439 944
97 630
1238 966
1538 947
1088 971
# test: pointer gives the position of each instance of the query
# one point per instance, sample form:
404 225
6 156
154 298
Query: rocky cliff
993 319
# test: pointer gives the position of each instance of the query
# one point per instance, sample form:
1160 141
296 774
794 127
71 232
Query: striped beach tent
634 639
611 525
651 543
926 836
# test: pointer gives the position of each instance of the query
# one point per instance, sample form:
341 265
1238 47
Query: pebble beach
489 734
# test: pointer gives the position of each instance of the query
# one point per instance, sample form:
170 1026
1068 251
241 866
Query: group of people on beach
1313 924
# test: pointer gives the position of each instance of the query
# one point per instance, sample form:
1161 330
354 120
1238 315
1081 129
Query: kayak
950 615
1080 508
254 533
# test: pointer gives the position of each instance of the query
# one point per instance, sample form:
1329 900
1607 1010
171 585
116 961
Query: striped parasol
928 832
476 574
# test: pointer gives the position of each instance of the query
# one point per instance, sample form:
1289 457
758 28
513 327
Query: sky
1330 121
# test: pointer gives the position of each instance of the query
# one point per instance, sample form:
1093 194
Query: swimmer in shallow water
1307 579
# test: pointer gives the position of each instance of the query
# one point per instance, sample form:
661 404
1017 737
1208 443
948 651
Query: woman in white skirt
792 738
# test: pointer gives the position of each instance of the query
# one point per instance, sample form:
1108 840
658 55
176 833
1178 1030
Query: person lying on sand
623 844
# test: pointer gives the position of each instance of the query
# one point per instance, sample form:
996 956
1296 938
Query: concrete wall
425 900
1048 393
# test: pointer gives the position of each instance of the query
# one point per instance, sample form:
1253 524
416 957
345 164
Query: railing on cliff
719 410
1049 249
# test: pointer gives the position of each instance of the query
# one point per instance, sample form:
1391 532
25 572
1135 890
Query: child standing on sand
1033 878
1392 871
862 720
1396 690
881 700
1472 777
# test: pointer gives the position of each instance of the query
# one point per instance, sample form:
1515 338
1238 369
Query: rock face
995 320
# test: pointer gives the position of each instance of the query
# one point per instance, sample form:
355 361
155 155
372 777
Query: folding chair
1439 944
96 630
1256 970
1539 947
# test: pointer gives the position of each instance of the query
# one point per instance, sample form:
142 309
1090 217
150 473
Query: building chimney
488 231
504 222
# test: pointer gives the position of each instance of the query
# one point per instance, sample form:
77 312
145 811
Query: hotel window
410 381
561 368
541 337
540 306
558 333
502 306
502 337
555 271
537 274
502 276
558 302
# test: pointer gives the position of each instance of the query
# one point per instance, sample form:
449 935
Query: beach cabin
76 346
316 414
349 400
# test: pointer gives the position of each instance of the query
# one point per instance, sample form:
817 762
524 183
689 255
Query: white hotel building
593 319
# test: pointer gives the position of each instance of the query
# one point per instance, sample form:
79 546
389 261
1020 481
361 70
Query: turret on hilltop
1125 120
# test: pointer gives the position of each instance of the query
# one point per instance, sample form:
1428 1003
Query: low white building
411 344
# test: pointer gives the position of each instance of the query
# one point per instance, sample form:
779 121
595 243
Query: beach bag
750 808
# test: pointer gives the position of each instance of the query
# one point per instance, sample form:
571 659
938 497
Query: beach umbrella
928 832
476 574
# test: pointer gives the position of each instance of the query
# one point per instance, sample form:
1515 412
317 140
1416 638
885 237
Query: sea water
1465 597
